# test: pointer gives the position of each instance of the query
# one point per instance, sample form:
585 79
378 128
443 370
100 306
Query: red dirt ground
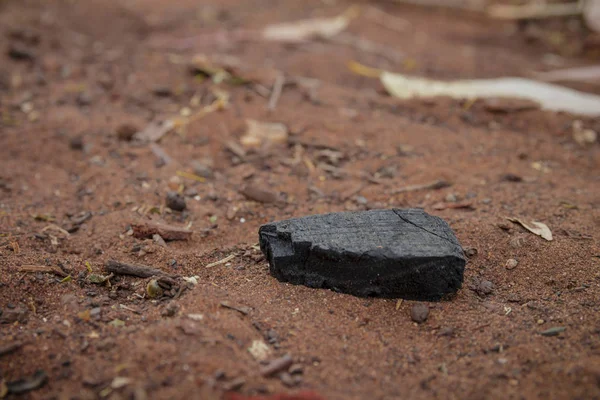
93 66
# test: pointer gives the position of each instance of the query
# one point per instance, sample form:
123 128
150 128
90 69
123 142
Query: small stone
504 226
296 369
20 53
259 194
389 171
170 310
451 198
159 240
470 252
361 200
482 287
190 327
514 298
203 168
583 136
15 314
419 312
84 99
447 331
125 132
511 263
220 374
162 91
554 331
174 182
511 178
95 311
190 192
175 201
517 241
259 350
287 379
76 143
106 344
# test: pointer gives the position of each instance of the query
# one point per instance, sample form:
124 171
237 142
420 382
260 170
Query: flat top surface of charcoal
392 253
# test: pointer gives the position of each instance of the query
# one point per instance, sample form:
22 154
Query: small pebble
419 312
446 331
125 132
517 241
21 53
511 178
287 379
470 251
296 369
554 331
190 192
95 311
76 143
451 198
170 310
203 168
482 287
511 263
162 91
175 201
361 200
84 99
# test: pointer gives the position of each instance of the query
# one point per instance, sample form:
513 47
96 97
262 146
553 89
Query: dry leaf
259 350
536 227
550 97
308 29
263 133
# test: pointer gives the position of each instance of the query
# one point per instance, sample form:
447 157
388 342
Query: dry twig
141 271
43 268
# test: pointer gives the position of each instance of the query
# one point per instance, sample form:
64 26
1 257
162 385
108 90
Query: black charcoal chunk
400 253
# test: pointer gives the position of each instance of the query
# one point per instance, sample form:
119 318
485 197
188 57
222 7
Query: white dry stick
534 10
586 74
222 261
367 46
276 92
306 30
550 97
